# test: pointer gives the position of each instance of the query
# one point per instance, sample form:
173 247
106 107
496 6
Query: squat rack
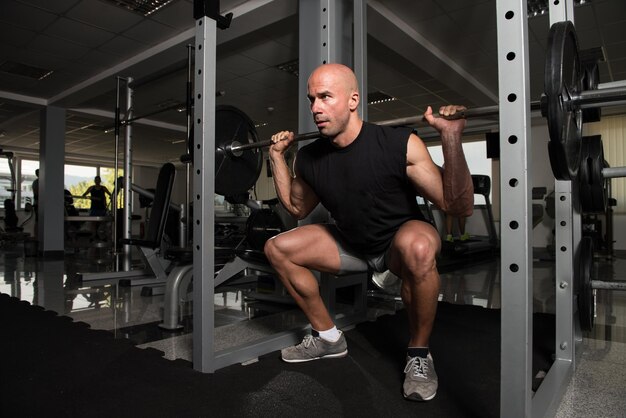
517 398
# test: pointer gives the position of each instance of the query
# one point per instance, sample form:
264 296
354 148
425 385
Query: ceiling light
378 97
24 70
144 7
290 67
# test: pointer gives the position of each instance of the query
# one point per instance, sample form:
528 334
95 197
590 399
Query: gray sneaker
420 382
314 347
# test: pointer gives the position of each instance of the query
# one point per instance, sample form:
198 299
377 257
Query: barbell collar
613 172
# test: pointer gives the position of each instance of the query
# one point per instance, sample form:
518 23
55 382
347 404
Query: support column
516 226
128 177
203 194
50 228
360 52
325 37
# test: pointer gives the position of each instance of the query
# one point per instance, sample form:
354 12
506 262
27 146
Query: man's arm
295 195
450 188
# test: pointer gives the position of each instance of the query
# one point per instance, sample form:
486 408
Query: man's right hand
281 141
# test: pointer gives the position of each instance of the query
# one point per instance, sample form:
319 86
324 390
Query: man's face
329 100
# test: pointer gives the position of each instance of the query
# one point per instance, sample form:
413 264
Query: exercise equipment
588 284
235 172
594 177
563 103
150 246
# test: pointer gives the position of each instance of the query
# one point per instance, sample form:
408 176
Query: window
26 181
77 179
107 174
6 179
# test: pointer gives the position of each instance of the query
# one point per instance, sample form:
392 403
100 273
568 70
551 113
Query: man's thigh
312 246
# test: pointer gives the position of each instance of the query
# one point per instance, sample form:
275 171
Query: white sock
331 335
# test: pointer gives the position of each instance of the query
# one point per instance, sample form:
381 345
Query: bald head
342 76
333 92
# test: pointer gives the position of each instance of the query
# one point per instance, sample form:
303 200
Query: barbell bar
562 104
613 172
583 100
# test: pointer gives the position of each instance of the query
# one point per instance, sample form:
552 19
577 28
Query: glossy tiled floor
598 388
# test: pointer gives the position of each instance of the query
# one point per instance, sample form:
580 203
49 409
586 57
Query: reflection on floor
597 389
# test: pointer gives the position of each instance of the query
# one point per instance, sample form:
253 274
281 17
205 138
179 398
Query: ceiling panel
27 17
59 47
67 29
150 32
104 15
609 11
54 6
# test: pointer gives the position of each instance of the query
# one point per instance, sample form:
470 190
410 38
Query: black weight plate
562 80
586 305
235 174
262 225
598 184
593 187
584 181
591 80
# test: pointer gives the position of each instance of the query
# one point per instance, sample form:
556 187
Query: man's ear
354 100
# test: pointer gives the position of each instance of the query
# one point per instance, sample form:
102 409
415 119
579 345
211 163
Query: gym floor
596 389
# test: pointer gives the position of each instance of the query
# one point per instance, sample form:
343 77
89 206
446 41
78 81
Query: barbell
569 91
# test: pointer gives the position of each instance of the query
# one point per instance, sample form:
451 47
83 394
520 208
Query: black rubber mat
51 366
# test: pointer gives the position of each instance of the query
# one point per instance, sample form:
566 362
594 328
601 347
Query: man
367 177
97 194
35 188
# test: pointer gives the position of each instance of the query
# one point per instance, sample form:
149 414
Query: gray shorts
351 261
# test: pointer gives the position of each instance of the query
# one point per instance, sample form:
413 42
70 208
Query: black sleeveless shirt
364 186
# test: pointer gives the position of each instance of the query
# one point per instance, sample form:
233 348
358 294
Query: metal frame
203 192
333 14
516 396
516 223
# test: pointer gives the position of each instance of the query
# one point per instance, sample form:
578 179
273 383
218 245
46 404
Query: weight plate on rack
562 81
235 174
590 81
593 186
586 303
